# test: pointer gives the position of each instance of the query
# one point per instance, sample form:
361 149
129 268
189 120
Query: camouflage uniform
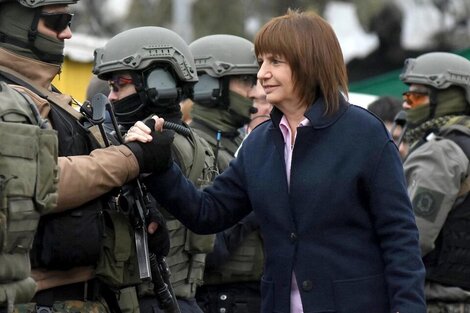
71 306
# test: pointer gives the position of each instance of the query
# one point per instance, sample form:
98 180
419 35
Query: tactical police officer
437 104
150 70
58 173
223 104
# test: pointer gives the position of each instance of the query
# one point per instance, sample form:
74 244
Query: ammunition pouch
21 291
245 263
28 182
117 265
199 243
14 266
62 245
28 188
187 258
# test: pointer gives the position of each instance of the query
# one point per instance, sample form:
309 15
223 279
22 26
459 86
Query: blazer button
307 285
293 237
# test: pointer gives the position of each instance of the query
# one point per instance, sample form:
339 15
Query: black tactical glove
158 242
154 156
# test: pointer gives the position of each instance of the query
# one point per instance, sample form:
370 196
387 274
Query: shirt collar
285 123
315 114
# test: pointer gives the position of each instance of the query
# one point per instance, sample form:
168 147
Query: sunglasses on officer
416 98
118 82
57 21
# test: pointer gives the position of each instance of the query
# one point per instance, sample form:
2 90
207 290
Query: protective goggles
118 82
57 21
416 98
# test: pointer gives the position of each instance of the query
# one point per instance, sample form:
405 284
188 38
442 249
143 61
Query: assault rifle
135 202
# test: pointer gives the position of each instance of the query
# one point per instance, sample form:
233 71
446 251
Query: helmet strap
138 81
187 90
225 94
432 102
33 29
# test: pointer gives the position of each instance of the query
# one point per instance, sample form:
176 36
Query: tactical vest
188 250
225 149
28 188
449 262
245 264
58 243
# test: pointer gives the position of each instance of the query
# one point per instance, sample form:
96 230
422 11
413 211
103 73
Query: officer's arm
434 173
86 177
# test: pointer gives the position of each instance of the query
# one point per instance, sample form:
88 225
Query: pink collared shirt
295 300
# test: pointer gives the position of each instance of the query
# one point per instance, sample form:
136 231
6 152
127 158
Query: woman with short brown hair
325 181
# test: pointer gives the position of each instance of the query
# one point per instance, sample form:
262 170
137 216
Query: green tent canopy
388 84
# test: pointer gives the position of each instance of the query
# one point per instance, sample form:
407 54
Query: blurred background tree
196 18
427 25
109 17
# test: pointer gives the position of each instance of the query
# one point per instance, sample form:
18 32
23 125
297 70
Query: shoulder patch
426 203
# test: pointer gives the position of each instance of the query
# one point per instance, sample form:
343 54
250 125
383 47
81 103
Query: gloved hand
154 156
159 241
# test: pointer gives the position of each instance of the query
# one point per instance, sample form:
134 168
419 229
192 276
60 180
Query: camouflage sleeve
86 177
434 173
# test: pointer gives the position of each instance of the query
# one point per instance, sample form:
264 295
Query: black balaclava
18 33
141 105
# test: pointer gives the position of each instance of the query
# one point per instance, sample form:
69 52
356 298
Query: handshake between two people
151 145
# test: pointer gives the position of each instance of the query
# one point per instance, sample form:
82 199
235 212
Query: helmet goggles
415 98
118 82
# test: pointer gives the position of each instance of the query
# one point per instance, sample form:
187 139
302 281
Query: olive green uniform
234 269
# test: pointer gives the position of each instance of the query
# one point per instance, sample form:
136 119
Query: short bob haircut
309 45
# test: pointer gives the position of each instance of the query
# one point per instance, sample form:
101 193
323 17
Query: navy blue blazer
345 225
